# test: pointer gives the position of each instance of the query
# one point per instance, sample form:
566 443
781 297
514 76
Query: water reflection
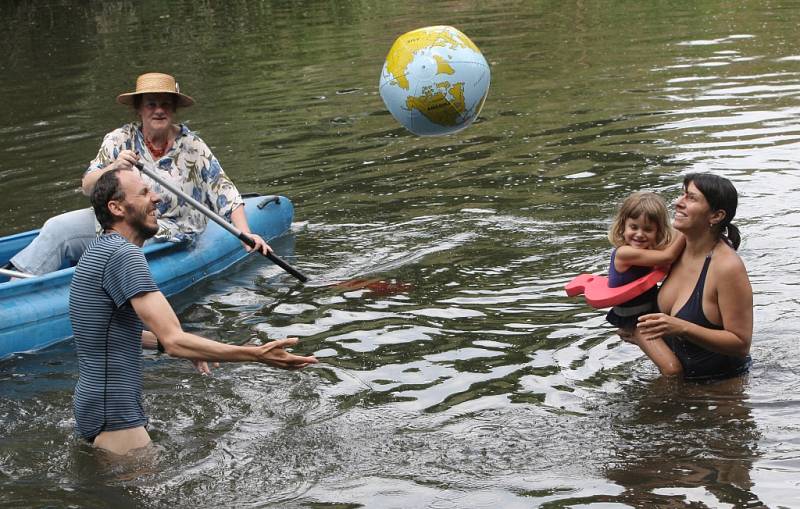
682 443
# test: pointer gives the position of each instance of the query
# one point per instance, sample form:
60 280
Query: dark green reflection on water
474 381
676 436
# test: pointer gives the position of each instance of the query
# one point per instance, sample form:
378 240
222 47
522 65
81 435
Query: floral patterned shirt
190 166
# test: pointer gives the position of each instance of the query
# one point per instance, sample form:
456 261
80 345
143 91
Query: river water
455 372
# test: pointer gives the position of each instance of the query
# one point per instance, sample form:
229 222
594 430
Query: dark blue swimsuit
699 363
627 315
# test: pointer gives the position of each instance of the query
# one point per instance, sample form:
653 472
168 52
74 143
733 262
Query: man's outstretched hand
274 353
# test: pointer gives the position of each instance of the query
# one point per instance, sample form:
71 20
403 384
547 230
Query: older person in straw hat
173 151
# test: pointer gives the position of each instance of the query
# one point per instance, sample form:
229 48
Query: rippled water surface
455 371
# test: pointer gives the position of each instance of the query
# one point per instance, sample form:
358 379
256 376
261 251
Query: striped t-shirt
108 335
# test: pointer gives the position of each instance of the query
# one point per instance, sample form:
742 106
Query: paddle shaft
222 222
14 273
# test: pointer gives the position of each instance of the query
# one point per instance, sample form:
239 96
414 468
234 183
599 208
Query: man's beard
138 221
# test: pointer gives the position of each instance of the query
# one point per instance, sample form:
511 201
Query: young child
643 239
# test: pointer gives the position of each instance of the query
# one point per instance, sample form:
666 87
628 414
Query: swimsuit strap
692 310
701 281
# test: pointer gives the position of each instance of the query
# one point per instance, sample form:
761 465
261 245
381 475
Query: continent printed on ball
442 67
443 106
408 45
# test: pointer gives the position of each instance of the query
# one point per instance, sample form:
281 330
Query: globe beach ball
435 80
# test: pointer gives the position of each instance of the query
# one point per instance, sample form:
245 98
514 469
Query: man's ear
116 208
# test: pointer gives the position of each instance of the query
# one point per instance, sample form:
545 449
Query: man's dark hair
106 189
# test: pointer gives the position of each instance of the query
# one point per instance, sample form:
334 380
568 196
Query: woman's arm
239 220
656 350
628 256
735 300
115 152
125 161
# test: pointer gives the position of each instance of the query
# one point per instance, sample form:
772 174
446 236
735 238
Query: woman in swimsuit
706 302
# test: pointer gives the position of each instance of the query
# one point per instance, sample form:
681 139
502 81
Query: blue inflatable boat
34 312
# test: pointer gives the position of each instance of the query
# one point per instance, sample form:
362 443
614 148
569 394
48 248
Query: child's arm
628 256
657 350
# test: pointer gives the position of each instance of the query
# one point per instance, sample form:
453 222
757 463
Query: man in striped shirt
112 293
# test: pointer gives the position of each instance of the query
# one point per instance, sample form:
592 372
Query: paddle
220 221
14 273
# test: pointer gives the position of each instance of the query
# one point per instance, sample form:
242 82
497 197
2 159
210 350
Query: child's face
640 232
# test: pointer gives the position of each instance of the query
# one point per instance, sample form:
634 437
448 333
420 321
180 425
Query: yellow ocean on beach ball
435 80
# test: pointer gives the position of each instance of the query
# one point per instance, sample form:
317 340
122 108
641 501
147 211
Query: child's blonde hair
654 210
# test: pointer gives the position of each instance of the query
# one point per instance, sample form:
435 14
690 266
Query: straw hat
156 83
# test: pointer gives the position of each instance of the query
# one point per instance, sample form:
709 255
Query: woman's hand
658 325
239 220
126 160
261 245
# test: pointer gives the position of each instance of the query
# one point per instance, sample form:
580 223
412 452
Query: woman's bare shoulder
728 268
727 258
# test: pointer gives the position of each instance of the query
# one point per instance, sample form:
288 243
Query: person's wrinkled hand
126 160
261 245
274 353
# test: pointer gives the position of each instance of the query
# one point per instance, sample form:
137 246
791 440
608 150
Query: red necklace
156 152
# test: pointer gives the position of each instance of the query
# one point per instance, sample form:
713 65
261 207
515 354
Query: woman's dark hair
106 189
720 195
